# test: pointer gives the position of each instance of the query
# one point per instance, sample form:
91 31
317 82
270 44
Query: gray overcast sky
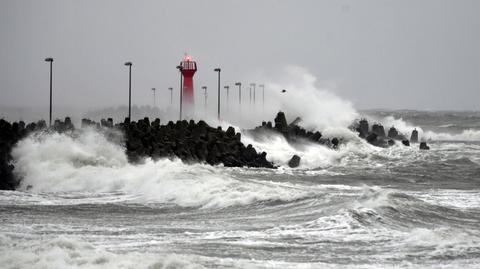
418 54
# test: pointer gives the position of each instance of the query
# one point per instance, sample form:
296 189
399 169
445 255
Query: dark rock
363 128
294 161
316 136
391 142
335 142
378 129
230 132
405 142
423 146
392 133
190 141
372 138
292 132
414 136
281 122
238 137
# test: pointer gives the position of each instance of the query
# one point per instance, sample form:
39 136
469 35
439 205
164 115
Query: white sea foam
318 107
465 135
71 252
464 199
406 128
312 155
89 162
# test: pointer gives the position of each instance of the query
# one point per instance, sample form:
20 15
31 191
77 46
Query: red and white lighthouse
189 67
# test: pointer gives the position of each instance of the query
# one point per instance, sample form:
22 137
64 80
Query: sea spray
88 162
319 108
313 155
406 128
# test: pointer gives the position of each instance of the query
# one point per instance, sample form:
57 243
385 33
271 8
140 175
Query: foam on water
71 252
313 155
88 162
246 218
407 128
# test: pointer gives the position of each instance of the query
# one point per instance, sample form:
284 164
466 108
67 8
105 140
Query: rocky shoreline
292 132
193 142
187 140
377 136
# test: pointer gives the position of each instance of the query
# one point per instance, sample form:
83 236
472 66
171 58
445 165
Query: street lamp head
226 87
261 86
170 88
128 63
49 59
204 87
284 90
238 84
153 89
179 67
217 69
253 84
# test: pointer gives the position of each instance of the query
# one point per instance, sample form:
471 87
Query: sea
81 204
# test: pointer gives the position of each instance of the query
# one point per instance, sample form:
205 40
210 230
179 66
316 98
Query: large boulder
363 128
414 136
281 122
378 129
392 133
372 138
230 132
335 142
424 146
294 161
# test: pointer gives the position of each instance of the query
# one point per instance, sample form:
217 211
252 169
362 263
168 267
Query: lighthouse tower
189 68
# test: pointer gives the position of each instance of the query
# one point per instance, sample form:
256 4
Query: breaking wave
88 162
71 252
406 128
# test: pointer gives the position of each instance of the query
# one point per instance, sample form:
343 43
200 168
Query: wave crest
88 162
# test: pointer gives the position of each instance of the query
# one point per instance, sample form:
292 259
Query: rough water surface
82 205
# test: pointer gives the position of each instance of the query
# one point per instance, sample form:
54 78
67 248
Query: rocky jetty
292 132
377 136
10 134
191 142
188 140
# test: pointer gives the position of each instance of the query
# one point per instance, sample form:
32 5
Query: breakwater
189 141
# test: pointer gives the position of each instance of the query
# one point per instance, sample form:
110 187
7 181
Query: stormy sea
81 204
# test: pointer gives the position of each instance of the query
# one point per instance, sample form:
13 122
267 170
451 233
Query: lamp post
51 64
239 84
154 101
205 94
179 67
253 85
263 96
228 95
218 70
171 95
250 88
129 64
